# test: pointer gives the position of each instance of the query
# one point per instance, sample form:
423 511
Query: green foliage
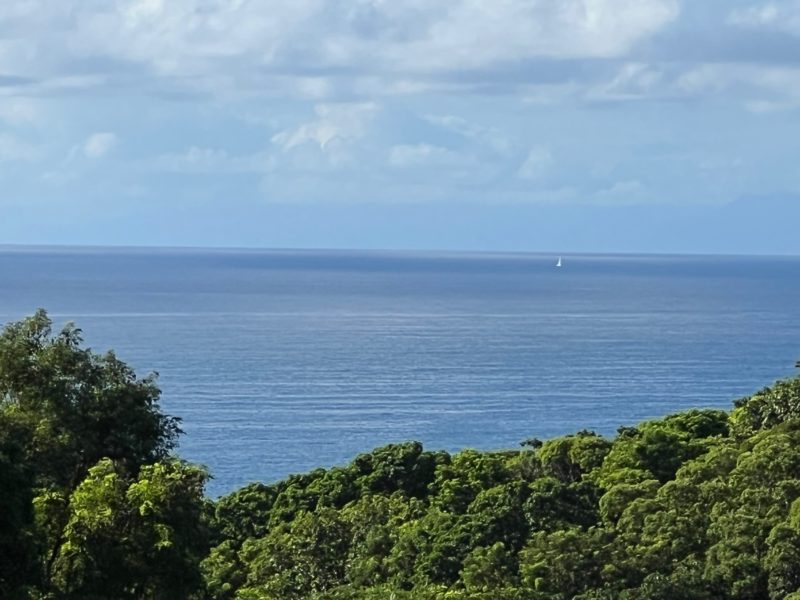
571 458
398 467
553 505
497 515
77 406
657 449
297 559
133 539
685 583
564 563
489 568
18 560
375 526
72 529
245 513
459 480
700 505
782 561
430 550
763 486
223 571
767 408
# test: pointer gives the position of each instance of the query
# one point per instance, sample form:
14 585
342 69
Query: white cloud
486 136
622 192
476 34
762 89
632 81
401 45
335 124
536 164
780 16
99 144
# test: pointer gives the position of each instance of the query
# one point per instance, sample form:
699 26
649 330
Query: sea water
283 361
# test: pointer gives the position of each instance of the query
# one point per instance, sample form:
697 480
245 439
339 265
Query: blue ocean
283 361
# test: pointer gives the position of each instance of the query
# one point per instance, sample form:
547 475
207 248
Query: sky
526 125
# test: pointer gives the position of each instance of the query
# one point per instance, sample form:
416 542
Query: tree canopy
83 496
700 505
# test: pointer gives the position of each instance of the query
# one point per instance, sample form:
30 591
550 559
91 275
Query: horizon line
375 250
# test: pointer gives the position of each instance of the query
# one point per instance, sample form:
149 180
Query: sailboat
558 264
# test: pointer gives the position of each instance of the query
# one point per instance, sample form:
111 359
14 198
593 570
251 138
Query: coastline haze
764 226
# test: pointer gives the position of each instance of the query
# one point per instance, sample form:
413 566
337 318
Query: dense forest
703 504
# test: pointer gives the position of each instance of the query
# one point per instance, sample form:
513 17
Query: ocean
283 361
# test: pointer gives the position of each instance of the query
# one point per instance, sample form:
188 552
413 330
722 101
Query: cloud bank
588 103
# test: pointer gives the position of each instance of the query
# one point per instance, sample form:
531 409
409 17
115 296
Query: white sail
558 264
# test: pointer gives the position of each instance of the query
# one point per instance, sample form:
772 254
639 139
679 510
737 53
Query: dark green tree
295 560
79 407
18 558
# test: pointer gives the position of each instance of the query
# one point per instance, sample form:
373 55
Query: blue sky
544 125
